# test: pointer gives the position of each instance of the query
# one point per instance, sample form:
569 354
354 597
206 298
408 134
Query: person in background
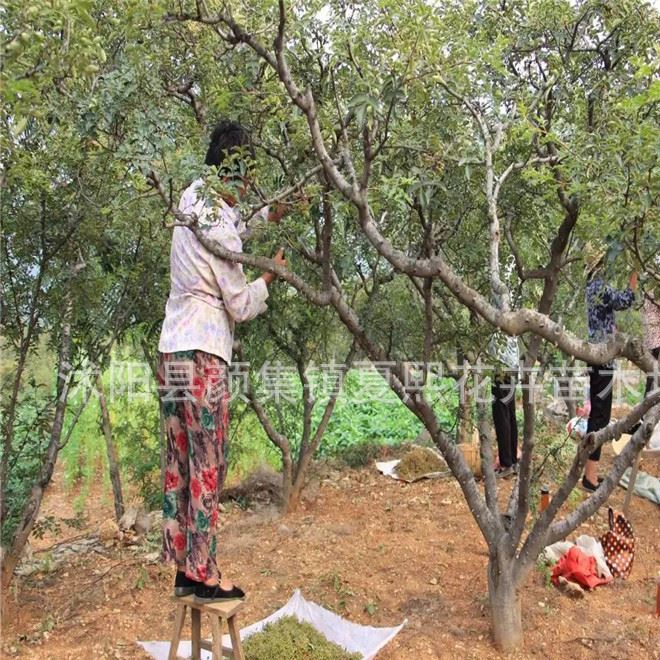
602 302
503 389
208 296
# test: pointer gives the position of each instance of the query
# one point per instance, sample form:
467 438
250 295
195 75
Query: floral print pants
194 396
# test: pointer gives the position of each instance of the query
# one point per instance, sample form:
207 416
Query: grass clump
418 462
290 639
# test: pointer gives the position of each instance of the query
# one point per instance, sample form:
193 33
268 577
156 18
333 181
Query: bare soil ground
374 550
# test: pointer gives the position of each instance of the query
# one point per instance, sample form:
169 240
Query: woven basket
472 456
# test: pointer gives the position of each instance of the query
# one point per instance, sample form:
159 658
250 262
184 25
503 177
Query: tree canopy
458 159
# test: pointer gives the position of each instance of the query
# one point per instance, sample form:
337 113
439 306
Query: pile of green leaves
418 462
290 639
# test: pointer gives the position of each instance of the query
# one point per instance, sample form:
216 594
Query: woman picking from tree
208 295
602 302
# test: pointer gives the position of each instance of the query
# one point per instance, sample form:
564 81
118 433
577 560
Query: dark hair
228 138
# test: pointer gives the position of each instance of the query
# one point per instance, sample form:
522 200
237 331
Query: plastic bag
577 426
589 546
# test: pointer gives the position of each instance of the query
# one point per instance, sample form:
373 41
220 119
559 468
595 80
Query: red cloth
578 567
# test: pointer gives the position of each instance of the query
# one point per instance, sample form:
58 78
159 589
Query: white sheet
366 640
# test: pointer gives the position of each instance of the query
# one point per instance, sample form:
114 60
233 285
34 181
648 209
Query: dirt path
372 549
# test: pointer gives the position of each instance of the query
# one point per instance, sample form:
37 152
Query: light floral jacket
208 295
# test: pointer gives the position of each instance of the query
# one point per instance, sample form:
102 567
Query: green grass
385 421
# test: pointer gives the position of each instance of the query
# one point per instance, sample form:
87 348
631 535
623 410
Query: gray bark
505 605
113 463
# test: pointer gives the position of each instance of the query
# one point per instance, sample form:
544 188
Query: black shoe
206 594
504 472
183 585
588 486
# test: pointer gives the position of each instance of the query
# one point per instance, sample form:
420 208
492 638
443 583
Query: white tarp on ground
646 485
366 640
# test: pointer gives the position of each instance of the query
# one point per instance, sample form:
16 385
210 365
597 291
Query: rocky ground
375 550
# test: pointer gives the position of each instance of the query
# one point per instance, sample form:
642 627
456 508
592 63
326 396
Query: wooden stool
219 612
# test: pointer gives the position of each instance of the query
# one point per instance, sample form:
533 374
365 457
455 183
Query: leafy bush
31 435
249 446
136 430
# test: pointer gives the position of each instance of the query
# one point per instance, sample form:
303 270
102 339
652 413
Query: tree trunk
505 608
113 463
297 485
566 394
294 500
287 480
153 365
10 414
465 425
294 496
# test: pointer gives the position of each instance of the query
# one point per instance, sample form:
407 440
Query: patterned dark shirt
602 302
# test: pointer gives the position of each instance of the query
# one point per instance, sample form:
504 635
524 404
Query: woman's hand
298 200
633 281
279 260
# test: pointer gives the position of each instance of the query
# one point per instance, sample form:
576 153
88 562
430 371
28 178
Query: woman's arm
243 300
620 300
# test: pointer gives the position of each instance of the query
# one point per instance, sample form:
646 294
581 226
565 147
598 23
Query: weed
370 608
574 499
47 624
545 569
341 589
142 579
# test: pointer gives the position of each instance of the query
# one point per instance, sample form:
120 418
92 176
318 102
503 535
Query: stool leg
216 624
235 639
196 617
178 627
